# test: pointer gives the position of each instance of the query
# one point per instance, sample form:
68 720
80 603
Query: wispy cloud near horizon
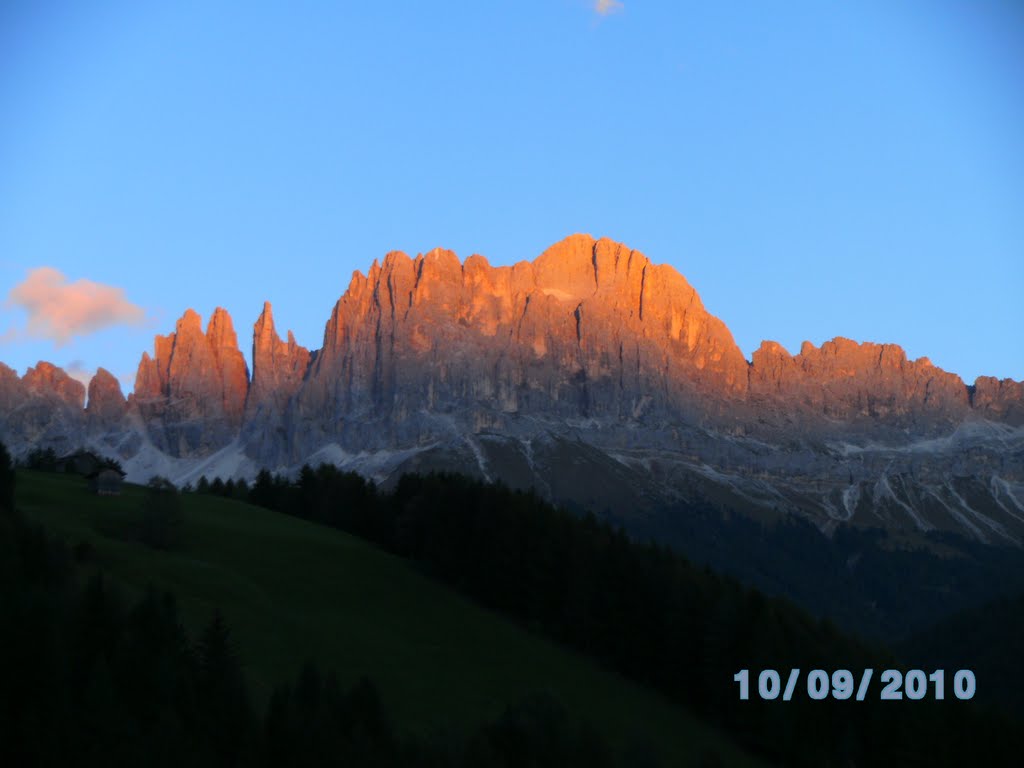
607 7
60 310
78 370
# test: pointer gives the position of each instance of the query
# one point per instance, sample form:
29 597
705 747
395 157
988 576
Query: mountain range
591 374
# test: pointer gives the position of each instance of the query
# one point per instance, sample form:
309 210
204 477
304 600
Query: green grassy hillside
293 591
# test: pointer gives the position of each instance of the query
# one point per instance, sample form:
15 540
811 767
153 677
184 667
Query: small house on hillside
81 462
106 482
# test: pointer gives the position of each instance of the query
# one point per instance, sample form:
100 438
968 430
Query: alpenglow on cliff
590 374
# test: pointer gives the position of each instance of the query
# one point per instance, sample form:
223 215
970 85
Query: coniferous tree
41 459
6 481
224 703
109 463
261 489
162 520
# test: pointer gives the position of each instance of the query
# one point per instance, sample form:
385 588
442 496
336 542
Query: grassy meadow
293 591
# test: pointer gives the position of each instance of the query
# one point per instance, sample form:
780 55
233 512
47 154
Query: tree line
861 578
88 678
646 612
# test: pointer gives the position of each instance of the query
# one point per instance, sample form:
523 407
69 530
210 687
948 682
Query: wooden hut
81 462
106 482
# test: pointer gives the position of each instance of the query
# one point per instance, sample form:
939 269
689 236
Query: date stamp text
842 684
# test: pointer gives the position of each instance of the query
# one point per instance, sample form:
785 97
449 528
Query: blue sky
813 169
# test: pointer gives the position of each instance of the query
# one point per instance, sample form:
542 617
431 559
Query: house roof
80 453
103 470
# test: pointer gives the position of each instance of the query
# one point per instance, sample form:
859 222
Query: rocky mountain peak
568 268
590 353
106 403
192 393
230 363
220 331
12 391
47 379
263 329
591 328
190 323
278 366
278 369
857 383
999 399
43 407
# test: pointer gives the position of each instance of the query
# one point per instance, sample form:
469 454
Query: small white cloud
76 370
60 310
607 7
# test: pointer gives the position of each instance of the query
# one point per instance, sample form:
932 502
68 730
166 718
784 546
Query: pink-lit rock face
106 405
12 391
191 395
42 407
591 329
229 364
999 399
589 356
856 383
591 332
277 366
47 379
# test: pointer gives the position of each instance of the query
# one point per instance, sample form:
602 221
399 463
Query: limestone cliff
44 407
278 368
191 394
106 405
590 356
590 330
